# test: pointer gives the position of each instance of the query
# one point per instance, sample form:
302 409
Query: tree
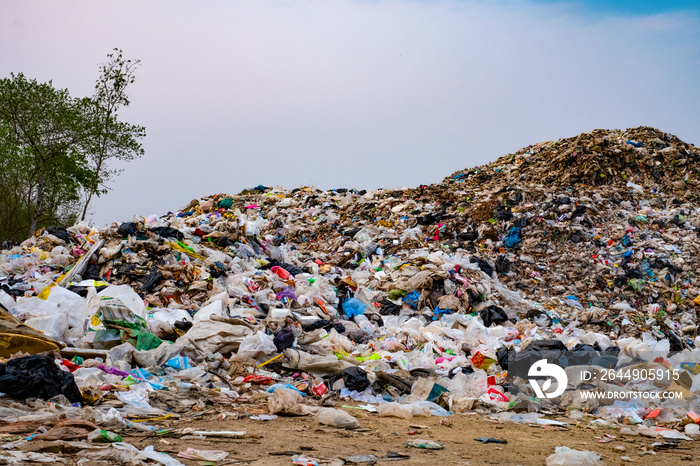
55 149
41 130
111 138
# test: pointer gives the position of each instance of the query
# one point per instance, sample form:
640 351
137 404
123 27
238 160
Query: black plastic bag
37 376
503 214
389 308
483 265
553 351
152 280
127 228
325 324
283 339
493 315
522 222
578 212
355 378
292 269
224 242
502 264
167 232
59 232
469 235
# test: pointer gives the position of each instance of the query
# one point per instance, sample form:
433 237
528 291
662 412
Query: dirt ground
272 443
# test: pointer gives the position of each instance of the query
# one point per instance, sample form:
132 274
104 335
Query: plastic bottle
364 324
101 435
139 426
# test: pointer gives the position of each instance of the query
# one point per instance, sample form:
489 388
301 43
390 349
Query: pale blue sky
629 7
357 93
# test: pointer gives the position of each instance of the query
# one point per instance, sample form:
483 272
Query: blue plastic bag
353 307
513 237
273 387
179 363
412 299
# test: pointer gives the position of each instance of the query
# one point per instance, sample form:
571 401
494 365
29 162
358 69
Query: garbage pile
411 301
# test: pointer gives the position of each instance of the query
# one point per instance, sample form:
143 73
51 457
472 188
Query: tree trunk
82 217
39 200
101 158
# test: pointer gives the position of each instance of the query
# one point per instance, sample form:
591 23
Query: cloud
354 93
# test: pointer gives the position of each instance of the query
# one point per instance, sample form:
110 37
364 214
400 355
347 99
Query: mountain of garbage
588 245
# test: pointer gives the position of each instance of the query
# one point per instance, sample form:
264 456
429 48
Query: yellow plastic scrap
45 292
95 283
697 300
148 419
43 255
186 251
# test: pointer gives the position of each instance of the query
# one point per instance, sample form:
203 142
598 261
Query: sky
357 93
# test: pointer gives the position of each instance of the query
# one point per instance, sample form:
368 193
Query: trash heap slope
576 226
581 253
644 155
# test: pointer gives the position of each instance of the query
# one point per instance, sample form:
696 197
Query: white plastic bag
123 293
287 401
337 418
254 345
395 410
565 456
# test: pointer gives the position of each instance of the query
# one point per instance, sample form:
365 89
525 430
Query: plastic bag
62 308
162 321
354 378
428 408
203 455
353 307
123 293
493 315
214 337
37 376
411 233
395 410
475 384
426 444
565 456
313 363
284 400
337 418
56 326
256 344
412 299
159 457
136 399
205 313
511 297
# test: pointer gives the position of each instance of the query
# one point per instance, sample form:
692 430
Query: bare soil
272 443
